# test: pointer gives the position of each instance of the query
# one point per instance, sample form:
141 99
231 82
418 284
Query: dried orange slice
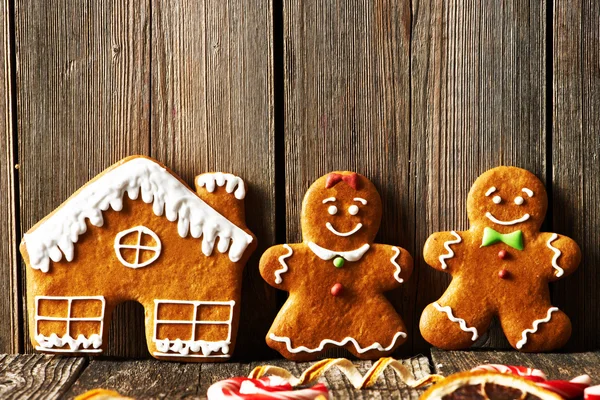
484 385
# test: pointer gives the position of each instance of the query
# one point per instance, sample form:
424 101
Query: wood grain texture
83 98
346 72
10 330
35 376
143 379
151 379
555 366
478 99
212 110
575 152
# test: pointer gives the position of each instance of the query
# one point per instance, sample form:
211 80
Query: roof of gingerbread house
57 234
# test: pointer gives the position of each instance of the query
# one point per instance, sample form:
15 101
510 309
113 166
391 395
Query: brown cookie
336 277
501 267
138 232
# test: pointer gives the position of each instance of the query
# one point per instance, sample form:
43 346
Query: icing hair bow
333 179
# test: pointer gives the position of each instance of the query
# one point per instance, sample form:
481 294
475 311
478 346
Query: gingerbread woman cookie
138 232
501 267
337 276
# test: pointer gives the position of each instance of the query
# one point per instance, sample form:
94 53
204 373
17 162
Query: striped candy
567 389
592 393
263 389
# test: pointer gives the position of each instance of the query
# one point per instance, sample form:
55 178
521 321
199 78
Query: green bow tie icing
492 236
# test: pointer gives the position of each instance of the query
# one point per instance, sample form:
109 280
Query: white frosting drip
57 235
284 268
450 253
325 254
536 325
345 341
53 341
211 180
184 347
393 261
461 322
500 222
557 253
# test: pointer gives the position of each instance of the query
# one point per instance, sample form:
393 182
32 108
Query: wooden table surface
35 376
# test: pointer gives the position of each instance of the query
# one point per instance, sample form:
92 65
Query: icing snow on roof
58 234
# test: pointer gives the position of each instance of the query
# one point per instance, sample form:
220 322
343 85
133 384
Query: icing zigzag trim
536 325
463 324
345 341
450 253
393 261
284 268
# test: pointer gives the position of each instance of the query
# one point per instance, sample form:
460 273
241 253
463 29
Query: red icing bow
333 179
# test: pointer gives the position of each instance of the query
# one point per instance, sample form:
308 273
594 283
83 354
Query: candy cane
592 393
263 389
567 389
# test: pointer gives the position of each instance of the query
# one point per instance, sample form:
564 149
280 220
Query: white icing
328 199
528 191
557 253
209 180
519 200
461 322
393 261
326 254
363 201
58 234
497 199
533 330
54 343
490 191
332 210
182 348
450 252
141 230
345 341
513 222
284 268
353 209
344 234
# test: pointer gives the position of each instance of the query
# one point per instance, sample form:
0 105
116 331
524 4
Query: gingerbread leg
541 328
454 321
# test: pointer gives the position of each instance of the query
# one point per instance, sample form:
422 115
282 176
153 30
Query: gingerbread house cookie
138 232
501 267
337 276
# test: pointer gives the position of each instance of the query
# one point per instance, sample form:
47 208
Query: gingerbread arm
395 266
274 266
440 248
565 253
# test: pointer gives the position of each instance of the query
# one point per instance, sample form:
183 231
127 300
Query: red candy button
502 254
503 274
336 289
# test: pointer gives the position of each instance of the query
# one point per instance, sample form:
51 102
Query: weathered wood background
421 96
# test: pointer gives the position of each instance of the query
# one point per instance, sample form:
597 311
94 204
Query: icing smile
513 222
335 232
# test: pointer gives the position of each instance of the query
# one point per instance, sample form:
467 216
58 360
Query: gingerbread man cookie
138 232
501 267
337 276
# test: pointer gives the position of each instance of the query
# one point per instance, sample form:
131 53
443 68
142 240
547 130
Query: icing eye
497 199
518 200
332 210
353 209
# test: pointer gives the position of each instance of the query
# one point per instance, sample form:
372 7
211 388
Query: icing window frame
142 230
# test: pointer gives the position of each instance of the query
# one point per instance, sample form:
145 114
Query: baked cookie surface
138 232
500 267
337 276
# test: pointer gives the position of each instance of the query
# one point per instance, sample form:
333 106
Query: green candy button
338 262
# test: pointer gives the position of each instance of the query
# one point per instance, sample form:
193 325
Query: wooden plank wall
420 96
